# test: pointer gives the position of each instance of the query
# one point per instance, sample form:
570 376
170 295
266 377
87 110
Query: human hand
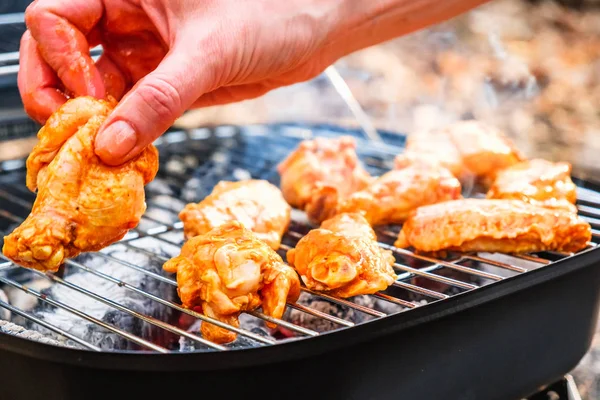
162 57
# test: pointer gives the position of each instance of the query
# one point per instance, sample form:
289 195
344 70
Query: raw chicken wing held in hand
504 226
539 182
390 198
342 257
321 172
82 204
257 204
229 270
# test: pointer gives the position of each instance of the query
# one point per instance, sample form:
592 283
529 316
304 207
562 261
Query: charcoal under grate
120 299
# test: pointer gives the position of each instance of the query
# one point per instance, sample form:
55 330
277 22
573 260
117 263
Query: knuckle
161 97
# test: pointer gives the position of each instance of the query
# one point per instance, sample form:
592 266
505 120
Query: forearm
363 23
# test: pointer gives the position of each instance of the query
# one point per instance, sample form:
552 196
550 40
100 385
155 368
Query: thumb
152 106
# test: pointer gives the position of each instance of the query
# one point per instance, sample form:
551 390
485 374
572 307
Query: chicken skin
484 149
537 181
390 198
81 204
257 204
319 173
342 258
465 148
229 270
506 226
434 147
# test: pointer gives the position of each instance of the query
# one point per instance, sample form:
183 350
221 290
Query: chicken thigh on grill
257 204
342 257
539 182
484 150
321 172
433 147
390 198
229 270
466 148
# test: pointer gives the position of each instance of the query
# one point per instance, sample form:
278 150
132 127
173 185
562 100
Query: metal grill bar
15 199
496 263
482 274
395 300
260 315
420 290
66 307
346 303
594 222
51 327
321 314
534 259
167 303
282 323
283 246
10 216
560 253
434 277
589 211
167 241
176 225
285 324
139 269
159 238
144 251
148 319
257 314
465 256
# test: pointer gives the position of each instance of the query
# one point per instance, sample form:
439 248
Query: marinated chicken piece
391 197
81 204
319 173
464 147
506 226
257 204
484 149
537 181
342 258
431 147
229 270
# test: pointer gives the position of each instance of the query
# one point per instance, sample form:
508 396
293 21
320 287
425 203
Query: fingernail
115 141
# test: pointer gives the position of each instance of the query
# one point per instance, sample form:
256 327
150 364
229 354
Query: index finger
60 29
38 84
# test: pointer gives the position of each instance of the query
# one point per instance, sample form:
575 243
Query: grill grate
191 164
